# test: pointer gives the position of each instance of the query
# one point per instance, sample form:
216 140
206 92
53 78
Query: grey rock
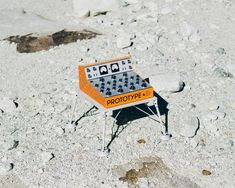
219 71
220 51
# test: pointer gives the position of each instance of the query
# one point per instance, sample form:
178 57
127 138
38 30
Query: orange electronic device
113 85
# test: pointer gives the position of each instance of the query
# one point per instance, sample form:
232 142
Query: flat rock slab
33 43
152 171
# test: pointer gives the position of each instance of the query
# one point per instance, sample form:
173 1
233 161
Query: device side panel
87 87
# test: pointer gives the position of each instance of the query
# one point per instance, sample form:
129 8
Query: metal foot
165 136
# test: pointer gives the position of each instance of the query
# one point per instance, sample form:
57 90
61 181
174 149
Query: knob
96 85
132 87
102 79
120 90
113 77
143 84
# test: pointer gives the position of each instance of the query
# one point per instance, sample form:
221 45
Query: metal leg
72 124
104 132
165 135
104 152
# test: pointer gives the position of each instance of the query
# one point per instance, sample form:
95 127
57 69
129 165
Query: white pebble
46 156
123 41
7 105
5 168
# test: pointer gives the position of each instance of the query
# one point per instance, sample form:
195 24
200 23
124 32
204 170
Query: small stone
123 41
233 105
190 127
220 51
219 114
59 130
7 105
5 168
194 142
141 141
231 69
46 156
82 7
206 172
219 71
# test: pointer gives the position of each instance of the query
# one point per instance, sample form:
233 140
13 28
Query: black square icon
103 70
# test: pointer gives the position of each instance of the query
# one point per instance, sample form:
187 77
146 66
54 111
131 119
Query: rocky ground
186 50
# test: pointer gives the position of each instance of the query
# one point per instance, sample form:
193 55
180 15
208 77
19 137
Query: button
125 85
102 84
125 74
114 81
89 76
126 79
108 93
120 80
88 70
132 83
120 90
101 90
143 84
114 88
113 77
120 86
132 88
108 82
102 79
96 85
102 87
132 77
123 62
130 67
129 61
108 89
94 68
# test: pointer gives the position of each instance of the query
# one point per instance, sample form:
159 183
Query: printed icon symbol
103 70
115 67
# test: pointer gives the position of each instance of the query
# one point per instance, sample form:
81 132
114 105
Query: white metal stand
104 151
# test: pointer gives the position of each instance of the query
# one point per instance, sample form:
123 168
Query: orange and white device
113 84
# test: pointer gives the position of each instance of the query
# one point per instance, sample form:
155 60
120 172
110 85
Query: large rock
83 7
123 40
189 127
170 82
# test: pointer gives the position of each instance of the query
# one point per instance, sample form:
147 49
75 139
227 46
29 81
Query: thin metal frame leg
165 135
104 131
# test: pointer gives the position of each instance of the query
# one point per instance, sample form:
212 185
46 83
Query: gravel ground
186 49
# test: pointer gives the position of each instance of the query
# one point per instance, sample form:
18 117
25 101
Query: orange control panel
113 83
